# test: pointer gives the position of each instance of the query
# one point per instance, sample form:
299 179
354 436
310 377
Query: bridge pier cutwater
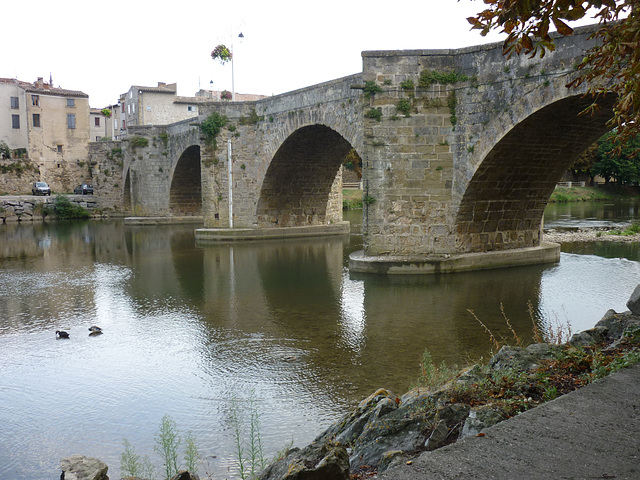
461 150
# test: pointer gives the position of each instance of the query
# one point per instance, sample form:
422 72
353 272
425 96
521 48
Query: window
59 148
97 121
15 102
71 120
36 120
133 107
71 102
124 125
191 108
15 121
148 108
128 109
35 100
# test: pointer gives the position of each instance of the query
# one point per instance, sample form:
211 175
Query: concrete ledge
547 252
163 220
215 235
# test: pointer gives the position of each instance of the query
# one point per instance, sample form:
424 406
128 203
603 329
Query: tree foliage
617 160
611 66
353 162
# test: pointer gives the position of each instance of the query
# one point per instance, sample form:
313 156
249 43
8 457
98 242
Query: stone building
49 126
155 106
98 125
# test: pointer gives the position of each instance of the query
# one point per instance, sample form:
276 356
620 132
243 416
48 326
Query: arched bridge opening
185 194
504 202
301 186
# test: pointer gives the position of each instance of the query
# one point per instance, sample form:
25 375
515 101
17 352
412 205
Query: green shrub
404 106
374 113
429 77
212 126
138 141
64 209
371 88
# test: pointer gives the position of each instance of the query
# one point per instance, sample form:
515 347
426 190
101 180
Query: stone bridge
461 150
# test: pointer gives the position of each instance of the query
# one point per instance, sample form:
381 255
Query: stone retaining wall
20 208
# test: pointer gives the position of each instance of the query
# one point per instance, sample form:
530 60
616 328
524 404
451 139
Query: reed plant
167 444
132 465
249 451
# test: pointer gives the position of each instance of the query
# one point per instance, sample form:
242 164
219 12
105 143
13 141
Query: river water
195 332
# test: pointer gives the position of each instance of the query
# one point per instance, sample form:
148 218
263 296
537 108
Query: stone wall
469 164
276 145
20 208
105 173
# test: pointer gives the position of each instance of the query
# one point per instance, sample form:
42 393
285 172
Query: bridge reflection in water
187 329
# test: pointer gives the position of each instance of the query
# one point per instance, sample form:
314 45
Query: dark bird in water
61 334
95 329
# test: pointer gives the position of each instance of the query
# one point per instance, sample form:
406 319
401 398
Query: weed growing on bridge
429 77
371 88
375 113
252 119
404 106
452 103
212 126
407 85
138 141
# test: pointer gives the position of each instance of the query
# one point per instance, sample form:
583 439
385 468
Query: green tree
611 66
618 160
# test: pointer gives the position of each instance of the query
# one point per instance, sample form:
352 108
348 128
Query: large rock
351 425
79 467
521 359
185 475
314 462
480 418
633 303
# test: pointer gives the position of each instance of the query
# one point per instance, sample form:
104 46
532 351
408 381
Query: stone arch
503 203
298 185
185 193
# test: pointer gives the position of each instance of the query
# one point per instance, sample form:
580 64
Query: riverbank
588 194
596 234
387 433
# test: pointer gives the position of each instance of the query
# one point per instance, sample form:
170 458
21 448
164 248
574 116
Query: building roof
42 88
161 88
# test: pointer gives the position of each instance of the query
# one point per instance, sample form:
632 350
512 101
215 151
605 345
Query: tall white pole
233 86
230 184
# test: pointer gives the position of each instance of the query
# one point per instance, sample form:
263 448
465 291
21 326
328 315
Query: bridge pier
547 252
206 236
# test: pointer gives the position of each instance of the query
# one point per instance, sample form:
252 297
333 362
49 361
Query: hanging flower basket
222 54
226 95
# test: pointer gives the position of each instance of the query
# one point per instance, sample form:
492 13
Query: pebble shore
587 235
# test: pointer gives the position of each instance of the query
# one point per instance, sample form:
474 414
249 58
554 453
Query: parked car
40 188
84 189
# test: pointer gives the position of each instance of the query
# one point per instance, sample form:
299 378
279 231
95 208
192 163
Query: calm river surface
191 332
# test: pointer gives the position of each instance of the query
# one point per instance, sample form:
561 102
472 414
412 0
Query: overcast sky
102 48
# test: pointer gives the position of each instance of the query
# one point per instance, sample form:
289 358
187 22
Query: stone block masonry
469 146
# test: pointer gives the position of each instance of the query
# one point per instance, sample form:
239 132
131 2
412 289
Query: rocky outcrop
79 467
317 461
